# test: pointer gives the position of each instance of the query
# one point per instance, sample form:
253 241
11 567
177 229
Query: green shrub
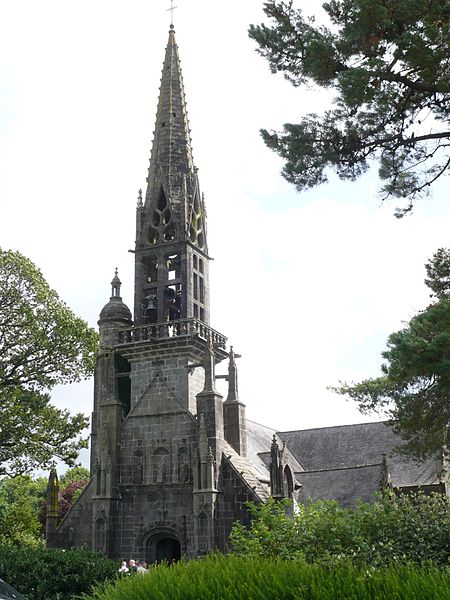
234 578
53 574
406 528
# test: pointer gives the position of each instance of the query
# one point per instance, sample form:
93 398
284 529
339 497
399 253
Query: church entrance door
168 550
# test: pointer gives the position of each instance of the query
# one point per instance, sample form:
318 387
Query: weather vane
171 9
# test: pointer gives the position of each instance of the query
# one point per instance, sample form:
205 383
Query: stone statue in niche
183 466
137 468
160 466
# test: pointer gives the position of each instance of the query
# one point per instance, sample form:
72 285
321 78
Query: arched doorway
168 550
163 545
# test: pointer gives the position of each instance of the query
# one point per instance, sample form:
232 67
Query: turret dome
115 311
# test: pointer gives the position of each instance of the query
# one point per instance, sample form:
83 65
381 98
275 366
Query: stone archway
162 545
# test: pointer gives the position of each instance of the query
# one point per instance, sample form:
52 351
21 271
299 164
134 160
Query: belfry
173 464
160 430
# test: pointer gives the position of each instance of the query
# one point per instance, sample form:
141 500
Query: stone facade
161 483
172 463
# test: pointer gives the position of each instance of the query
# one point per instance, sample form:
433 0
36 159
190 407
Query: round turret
115 311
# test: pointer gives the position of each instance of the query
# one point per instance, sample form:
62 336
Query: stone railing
171 329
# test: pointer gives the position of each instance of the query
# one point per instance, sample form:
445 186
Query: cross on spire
171 9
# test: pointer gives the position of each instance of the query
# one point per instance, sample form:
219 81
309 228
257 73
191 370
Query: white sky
307 287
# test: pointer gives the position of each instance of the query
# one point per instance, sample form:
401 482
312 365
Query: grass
234 578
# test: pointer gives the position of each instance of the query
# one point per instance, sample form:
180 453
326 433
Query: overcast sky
307 286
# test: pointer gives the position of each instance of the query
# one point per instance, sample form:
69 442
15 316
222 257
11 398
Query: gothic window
196 224
195 285
172 298
153 235
288 482
150 269
203 531
123 369
169 233
161 221
173 265
100 537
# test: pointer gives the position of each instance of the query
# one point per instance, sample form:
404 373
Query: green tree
389 63
21 501
23 505
414 388
42 343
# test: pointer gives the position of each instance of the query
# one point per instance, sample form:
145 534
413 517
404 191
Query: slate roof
344 485
243 466
344 462
359 445
259 440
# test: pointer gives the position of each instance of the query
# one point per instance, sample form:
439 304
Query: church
173 463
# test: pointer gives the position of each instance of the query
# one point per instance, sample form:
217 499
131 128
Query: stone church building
172 462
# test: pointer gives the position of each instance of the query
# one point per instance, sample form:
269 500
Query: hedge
406 528
234 578
53 574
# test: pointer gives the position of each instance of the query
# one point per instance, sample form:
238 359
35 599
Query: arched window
100 538
288 482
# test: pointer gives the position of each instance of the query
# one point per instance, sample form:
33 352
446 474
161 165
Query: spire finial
115 285
171 9
233 395
139 198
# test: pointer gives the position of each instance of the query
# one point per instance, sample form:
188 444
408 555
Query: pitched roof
345 485
343 463
247 472
259 439
359 445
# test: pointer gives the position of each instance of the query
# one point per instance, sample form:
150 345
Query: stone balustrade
171 329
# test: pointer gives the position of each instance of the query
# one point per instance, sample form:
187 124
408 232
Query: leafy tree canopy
414 388
389 63
21 501
42 343
23 505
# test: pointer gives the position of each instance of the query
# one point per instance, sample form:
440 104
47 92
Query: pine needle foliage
388 63
413 390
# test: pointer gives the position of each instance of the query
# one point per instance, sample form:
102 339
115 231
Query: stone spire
173 208
171 253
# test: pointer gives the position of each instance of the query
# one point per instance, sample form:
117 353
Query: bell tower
171 253
160 430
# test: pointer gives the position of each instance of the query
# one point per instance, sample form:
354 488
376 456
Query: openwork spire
174 208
